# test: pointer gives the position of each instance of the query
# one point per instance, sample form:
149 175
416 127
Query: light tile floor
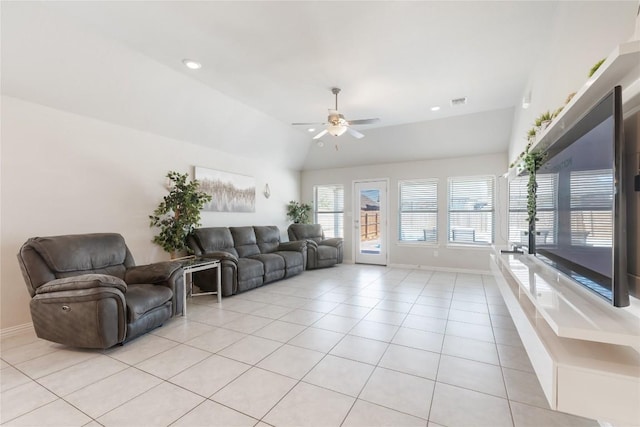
346 346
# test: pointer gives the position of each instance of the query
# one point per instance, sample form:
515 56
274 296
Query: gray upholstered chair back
212 239
306 232
245 241
268 238
43 259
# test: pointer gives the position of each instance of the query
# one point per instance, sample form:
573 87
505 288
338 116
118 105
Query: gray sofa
86 290
321 252
250 257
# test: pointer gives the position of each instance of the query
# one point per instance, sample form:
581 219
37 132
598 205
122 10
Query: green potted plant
543 120
298 212
558 111
179 213
595 67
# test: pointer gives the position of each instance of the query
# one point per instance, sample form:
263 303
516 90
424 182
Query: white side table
189 267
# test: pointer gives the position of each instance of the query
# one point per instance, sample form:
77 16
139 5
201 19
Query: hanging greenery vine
532 161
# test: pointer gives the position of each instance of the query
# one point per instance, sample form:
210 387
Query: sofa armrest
159 272
336 242
312 244
221 255
81 282
296 246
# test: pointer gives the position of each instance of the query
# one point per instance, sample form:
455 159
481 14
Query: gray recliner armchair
87 291
321 252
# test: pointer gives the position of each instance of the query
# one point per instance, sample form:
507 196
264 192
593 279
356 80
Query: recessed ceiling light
191 64
311 129
436 108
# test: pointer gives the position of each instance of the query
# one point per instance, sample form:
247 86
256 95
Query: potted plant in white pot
298 212
178 214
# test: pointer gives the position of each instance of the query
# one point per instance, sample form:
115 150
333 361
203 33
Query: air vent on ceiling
458 101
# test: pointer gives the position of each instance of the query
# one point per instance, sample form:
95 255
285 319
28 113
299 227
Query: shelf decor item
179 213
595 67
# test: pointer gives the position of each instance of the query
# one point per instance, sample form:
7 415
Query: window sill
418 243
481 246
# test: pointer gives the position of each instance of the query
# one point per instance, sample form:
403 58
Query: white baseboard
444 269
15 330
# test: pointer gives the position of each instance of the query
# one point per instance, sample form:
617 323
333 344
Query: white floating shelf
622 67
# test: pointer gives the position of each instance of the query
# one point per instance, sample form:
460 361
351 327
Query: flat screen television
580 186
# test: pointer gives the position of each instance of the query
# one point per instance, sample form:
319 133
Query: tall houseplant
298 212
178 213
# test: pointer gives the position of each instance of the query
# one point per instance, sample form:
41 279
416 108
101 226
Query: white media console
585 352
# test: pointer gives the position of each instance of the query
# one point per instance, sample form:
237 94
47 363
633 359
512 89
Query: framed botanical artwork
229 192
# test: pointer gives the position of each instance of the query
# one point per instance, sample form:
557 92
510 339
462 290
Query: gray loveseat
86 290
250 257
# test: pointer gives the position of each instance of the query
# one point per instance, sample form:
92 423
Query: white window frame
336 229
429 235
469 235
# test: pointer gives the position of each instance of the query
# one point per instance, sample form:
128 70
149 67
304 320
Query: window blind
546 206
418 210
329 209
591 207
470 209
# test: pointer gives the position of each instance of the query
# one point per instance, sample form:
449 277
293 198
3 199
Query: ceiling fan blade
307 124
363 121
354 133
321 134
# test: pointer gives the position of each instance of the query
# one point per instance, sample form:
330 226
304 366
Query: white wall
63 173
565 66
449 256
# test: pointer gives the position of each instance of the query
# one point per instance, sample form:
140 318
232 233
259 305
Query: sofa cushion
212 239
245 242
293 262
101 253
143 298
273 266
268 238
306 232
249 268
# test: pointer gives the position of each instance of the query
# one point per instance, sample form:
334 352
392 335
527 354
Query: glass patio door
370 222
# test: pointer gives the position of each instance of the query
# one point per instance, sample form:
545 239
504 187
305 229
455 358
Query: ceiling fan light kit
337 130
337 125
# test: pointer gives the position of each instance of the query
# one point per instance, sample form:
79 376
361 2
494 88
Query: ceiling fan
337 124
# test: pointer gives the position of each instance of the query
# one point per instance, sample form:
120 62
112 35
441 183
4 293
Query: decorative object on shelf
298 212
267 191
557 112
532 161
543 120
178 213
569 98
230 192
595 67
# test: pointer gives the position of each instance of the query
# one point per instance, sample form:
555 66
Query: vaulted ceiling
267 64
